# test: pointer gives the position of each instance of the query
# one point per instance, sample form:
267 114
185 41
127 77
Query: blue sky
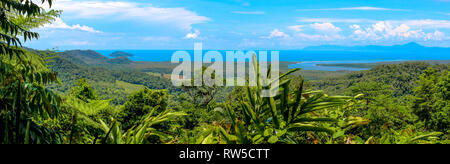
244 24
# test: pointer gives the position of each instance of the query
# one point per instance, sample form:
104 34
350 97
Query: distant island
120 54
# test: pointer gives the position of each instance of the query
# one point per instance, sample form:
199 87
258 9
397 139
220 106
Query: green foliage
273 119
79 119
139 133
196 115
204 94
25 100
370 90
116 84
141 103
432 103
17 18
401 77
83 91
410 136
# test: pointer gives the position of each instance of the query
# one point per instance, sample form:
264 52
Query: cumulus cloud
193 35
424 23
385 30
60 24
325 27
378 32
277 34
321 32
142 12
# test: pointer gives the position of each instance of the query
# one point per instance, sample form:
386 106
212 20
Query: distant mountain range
406 48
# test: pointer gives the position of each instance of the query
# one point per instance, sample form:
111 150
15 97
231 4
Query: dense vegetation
82 97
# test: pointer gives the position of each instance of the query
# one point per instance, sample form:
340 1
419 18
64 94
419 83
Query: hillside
401 76
92 58
110 83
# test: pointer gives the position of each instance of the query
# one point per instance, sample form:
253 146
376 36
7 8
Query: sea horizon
293 55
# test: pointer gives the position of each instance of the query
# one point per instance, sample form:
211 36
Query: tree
84 91
24 99
370 90
204 94
17 18
432 103
141 103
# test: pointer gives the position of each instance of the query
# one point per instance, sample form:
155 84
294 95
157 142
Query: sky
243 24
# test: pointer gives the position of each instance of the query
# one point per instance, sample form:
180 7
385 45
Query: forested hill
116 84
90 57
401 77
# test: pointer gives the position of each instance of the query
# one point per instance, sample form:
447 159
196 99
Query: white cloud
249 12
365 8
424 23
385 30
296 28
277 34
325 27
324 32
437 35
193 35
60 24
142 12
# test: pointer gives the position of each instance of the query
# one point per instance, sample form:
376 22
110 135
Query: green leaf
281 133
257 138
268 132
284 75
302 127
273 139
273 108
338 134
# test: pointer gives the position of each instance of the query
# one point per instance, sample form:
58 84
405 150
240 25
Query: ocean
307 60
